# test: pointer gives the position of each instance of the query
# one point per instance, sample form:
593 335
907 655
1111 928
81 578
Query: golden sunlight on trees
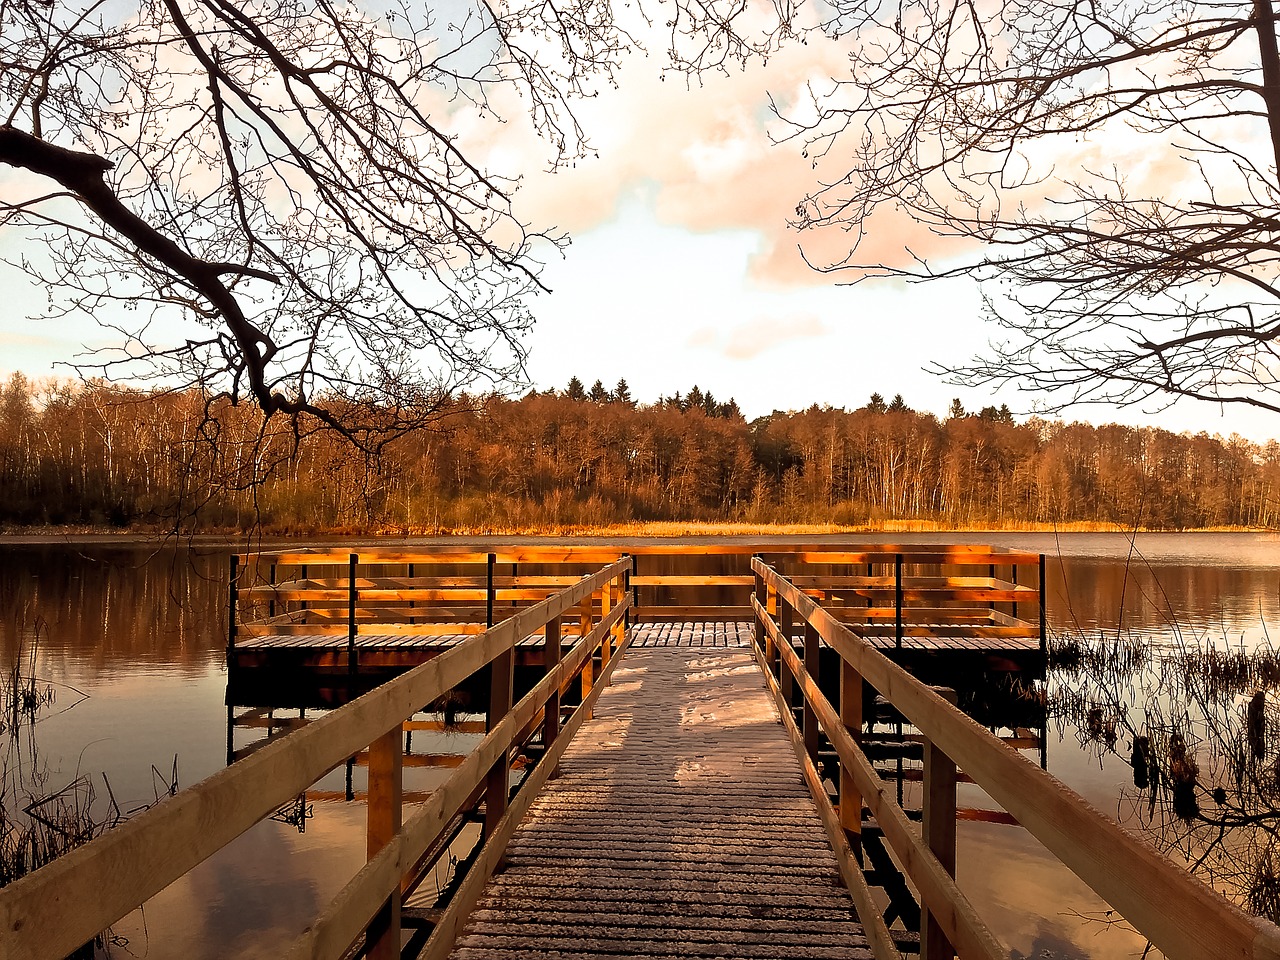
1108 170
104 455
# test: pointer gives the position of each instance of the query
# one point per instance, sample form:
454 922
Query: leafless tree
1107 169
285 184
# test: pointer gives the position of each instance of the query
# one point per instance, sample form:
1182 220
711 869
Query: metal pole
488 616
351 622
897 601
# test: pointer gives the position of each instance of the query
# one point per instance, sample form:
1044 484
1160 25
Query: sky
682 269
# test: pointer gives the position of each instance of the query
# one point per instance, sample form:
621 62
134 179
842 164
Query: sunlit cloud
746 341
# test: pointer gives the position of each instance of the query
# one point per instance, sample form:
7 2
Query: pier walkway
678 825
633 794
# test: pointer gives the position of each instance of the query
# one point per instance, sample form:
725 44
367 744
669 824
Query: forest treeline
101 454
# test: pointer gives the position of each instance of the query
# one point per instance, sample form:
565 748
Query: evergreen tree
622 393
709 404
598 393
575 390
876 404
956 410
694 399
898 405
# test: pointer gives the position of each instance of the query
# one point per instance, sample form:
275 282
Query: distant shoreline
105 536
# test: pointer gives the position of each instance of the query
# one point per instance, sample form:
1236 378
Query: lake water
131 642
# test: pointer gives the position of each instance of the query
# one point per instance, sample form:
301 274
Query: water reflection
142 634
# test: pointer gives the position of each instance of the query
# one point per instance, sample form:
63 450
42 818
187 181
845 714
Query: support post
939 832
897 601
587 675
498 782
550 658
385 809
784 631
812 648
488 615
851 716
771 608
762 636
351 622
606 604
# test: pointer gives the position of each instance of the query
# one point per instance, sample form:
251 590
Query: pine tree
898 405
622 393
956 410
876 404
694 399
575 390
598 393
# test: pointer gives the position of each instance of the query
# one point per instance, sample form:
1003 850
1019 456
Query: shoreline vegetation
40 534
100 457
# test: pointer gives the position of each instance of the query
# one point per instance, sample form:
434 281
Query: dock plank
677 826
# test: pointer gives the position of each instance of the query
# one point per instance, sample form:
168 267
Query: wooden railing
1182 917
890 590
56 909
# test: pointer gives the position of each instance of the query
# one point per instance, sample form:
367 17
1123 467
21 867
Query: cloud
746 341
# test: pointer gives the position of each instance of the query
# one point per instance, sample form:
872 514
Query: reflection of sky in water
144 639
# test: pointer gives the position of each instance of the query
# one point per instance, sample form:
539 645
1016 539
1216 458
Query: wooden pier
678 825
635 793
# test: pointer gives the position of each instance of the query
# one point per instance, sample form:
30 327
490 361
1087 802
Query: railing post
386 786
771 608
784 633
812 650
620 596
271 578
351 622
633 615
489 593
851 716
939 832
606 604
550 658
762 636
586 677
897 601
498 782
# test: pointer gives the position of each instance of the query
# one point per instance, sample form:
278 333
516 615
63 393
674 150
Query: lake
129 644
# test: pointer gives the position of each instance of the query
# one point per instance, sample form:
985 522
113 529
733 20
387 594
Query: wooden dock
637 798
678 825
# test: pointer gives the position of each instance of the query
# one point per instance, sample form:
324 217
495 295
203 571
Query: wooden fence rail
53 911
1182 917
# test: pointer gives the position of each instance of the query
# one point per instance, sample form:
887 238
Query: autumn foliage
104 455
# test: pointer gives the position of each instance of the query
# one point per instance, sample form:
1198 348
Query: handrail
1181 916
54 910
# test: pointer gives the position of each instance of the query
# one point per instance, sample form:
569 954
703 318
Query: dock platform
678 825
